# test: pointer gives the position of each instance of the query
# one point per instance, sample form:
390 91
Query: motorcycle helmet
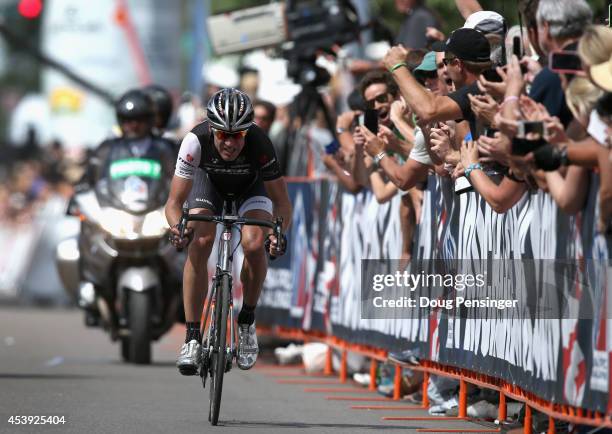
134 104
162 104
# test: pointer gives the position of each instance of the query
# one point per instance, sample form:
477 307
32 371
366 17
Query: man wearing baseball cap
466 55
426 73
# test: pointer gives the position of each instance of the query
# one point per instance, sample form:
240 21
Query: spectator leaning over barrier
414 170
442 142
545 86
394 120
502 194
569 187
558 25
467 54
432 147
379 91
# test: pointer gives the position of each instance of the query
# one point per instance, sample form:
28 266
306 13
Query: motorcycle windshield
136 184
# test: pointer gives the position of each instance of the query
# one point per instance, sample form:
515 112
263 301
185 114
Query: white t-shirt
419 150
597 128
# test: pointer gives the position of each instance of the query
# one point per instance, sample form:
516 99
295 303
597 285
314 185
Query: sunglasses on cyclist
382 98
224 135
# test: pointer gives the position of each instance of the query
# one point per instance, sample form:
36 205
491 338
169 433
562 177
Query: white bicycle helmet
230 110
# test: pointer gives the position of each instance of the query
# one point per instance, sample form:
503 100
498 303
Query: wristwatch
472 167
563 156
340 130
379 157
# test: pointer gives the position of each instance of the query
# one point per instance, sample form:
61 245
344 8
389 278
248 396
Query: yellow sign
64 99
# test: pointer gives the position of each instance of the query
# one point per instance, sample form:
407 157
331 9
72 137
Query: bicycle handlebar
276 225
233 220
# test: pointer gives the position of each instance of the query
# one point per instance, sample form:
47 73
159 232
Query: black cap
466 44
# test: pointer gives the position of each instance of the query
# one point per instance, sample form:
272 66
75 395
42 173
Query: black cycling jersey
256 162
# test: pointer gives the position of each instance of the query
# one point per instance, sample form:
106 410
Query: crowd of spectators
30 174
501 111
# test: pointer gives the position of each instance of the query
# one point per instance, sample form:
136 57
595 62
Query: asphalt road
50 364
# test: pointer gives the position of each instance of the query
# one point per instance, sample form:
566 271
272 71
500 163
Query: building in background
114 44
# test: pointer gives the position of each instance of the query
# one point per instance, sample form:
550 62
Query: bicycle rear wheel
219 354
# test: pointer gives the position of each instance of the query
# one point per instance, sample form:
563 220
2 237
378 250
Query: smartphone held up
565 62
370 120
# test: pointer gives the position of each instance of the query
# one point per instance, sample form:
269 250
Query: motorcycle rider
135 116
162 110
239 162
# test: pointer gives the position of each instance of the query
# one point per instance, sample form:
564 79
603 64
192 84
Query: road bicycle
217 353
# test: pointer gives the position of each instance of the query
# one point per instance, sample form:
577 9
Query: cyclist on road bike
239 163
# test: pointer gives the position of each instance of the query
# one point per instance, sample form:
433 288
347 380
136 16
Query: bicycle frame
225 258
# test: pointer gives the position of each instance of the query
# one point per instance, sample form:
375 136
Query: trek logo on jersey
186 161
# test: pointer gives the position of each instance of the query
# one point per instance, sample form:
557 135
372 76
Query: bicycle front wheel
219 353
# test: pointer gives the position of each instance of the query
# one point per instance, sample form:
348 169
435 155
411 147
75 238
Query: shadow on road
39 376
245 424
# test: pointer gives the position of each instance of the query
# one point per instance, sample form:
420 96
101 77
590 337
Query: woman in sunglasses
238 162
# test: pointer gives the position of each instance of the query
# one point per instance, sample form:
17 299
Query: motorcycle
123 270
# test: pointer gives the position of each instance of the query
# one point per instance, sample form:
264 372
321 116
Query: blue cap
428 64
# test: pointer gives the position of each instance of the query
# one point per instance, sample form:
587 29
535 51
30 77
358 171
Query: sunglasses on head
223 135
382 98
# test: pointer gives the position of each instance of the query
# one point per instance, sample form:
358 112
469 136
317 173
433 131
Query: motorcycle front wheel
140 328
124 346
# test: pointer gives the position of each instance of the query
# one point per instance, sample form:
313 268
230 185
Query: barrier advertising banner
521 296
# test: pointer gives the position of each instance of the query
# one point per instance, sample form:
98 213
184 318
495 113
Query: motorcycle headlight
119 224
155 224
